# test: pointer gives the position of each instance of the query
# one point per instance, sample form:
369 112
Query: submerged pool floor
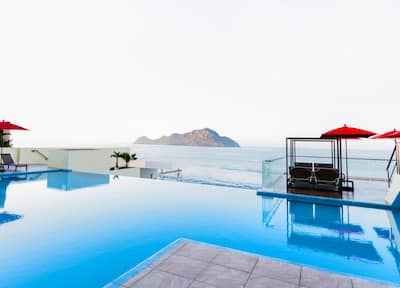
84 230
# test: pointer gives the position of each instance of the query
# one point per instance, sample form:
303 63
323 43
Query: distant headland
203 137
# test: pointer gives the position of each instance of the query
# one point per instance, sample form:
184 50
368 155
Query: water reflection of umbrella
346 132
6 125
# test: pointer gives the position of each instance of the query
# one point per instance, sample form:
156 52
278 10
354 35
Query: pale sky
91 72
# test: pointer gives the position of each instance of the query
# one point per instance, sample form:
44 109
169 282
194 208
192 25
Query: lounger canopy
314 163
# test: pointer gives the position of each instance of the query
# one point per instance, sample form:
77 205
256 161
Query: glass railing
274 174
359 168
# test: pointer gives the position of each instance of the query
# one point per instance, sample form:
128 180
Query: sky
96 72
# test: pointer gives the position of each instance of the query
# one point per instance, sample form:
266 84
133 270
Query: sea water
242 167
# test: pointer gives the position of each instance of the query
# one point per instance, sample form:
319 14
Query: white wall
132 172
28 156
97 160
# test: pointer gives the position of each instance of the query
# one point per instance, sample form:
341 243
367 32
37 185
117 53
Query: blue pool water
71 229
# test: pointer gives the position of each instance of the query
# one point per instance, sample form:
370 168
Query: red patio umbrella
346 132
6 125
391 134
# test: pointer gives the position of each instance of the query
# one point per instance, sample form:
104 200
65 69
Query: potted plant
127 158
116 155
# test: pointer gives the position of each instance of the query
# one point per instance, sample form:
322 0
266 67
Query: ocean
242 167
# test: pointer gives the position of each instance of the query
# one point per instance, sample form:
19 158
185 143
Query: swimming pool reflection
324 228
6 217
75 180
4 183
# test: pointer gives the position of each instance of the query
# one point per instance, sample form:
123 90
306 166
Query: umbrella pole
2 143
347 166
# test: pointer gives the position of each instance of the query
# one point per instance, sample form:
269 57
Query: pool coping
51 170
325 200
148 265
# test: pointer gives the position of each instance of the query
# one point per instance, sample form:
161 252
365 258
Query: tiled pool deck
198 265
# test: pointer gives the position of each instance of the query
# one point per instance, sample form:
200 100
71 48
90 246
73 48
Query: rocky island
202 137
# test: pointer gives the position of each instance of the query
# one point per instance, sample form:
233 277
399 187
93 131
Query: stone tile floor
196 265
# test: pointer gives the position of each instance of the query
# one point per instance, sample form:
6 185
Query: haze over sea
242 167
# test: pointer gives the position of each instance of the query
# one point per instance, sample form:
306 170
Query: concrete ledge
325 200
38 171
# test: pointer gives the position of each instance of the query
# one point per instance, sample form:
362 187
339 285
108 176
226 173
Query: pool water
72 229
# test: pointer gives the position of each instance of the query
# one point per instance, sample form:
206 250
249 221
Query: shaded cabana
309 169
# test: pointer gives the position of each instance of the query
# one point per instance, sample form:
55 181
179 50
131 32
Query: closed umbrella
345 132
6 125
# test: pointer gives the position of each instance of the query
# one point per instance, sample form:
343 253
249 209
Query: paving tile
219 268
235 260
182 266
360 283
311 278
222 277
160 279
277 270
197 284
198 251
265 282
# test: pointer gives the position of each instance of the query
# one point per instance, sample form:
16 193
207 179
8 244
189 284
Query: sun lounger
9 161
327 176
302 174
303 164
323 165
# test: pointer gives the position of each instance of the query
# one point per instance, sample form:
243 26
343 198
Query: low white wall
57 158
97 160
27 155
132 172
150 164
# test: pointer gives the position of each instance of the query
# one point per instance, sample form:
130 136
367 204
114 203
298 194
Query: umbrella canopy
6 125
347 132
391 134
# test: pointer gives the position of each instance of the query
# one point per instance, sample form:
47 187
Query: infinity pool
70 229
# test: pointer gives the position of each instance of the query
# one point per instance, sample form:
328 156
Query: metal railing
41 154
391 169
